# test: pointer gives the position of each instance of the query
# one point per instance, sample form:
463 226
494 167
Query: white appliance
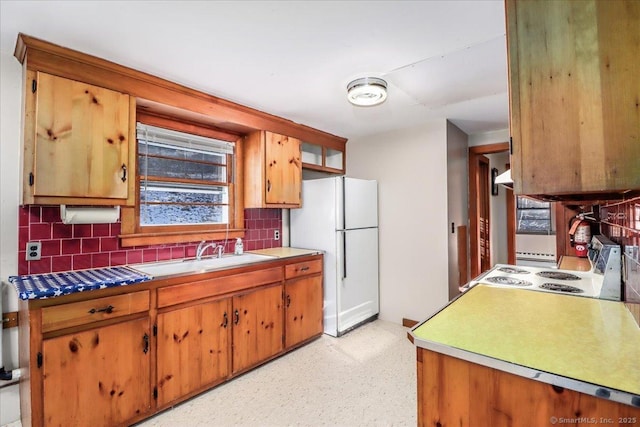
602 281
340 217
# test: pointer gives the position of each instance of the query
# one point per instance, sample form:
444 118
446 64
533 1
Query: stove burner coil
513 270
559 287
504 280
557 275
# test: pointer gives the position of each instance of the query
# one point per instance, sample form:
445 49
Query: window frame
133 234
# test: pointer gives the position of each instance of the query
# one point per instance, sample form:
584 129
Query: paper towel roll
89 214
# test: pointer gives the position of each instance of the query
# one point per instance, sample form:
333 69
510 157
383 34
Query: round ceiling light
367 91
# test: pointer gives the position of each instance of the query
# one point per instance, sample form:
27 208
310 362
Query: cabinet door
283 169
193 348
303 309
257 326
82 140
98 377
574 79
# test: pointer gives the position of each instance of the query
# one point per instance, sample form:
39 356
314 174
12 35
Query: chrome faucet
203 246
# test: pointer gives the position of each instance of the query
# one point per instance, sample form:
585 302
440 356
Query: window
533 216
186 188
184 179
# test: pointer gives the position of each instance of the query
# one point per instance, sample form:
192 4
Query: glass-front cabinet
323 158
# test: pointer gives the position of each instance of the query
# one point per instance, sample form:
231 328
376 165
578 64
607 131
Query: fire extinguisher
580 235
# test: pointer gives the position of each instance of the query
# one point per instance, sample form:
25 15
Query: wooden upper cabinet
78 143
324 158
574 89
272 171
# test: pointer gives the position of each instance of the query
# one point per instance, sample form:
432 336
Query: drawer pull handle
288 300
124 172
236 316
305 268
108 310
225 320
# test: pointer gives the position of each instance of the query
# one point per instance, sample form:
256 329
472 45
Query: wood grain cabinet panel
454 392
574 80
98 377
303 309
81 147
193 348
94 310
272 171
257 326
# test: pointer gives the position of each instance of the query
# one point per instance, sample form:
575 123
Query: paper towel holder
89 214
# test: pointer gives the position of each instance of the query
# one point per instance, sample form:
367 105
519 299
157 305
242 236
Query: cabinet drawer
95 310
303 268
192 291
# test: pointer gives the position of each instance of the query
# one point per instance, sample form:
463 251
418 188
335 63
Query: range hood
505 179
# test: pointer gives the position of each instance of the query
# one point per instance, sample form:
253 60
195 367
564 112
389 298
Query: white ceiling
294 59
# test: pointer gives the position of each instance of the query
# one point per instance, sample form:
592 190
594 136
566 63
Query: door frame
474 253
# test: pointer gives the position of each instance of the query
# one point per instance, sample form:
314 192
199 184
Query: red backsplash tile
82 246
61 263
40 231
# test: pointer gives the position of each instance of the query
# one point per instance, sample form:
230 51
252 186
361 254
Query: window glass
533 216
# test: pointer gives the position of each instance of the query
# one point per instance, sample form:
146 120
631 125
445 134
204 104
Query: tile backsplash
620 221
80 246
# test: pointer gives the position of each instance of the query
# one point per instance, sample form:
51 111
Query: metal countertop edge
602 392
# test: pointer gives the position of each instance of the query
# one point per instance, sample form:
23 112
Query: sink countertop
38 286
585 344
286 252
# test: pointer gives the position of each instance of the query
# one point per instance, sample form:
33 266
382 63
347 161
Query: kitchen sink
168 268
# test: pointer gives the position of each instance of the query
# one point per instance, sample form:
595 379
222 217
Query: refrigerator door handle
344 255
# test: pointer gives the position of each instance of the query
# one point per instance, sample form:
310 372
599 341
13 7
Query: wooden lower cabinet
116 356
454 392
303 309
257 326
98 377
192 348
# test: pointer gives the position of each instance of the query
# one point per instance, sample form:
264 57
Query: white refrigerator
339 216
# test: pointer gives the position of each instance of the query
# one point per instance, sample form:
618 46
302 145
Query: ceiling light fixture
367 91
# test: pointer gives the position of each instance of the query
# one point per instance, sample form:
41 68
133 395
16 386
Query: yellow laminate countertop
584 339
286 252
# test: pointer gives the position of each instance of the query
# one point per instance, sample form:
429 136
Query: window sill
144 239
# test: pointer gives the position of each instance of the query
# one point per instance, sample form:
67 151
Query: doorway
480 241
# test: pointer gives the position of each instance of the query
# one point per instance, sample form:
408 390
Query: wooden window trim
134 235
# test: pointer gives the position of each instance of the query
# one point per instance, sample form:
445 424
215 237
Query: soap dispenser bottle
239 247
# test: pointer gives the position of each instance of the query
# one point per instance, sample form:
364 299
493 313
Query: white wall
489 137
457 197
411 168
10 161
